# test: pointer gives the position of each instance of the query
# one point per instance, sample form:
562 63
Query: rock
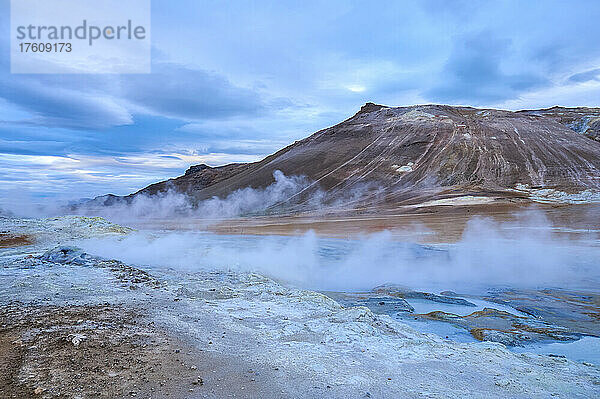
77 339
454 162
449 293
198 381
502 337
66 255
370 107
506 328
442 316
196 168
386 305
354 314
400 292
577 312
377 304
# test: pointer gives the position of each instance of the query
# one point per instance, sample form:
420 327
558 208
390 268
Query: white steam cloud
490 254
250 200
173 204
284 194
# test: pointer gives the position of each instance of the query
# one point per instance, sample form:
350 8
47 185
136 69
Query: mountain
410 156
583 120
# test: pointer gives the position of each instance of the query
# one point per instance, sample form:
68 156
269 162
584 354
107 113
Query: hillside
391 156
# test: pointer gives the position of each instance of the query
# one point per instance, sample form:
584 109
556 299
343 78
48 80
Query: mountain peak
422 153
196 168
370 107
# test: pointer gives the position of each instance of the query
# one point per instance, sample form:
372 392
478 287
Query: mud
109 351
91 351
8 240
437 224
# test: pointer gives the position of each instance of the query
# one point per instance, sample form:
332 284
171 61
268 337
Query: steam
249 200
522 254
175 205
286 193
172 204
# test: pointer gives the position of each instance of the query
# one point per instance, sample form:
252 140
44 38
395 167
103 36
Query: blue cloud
173 91
243 81
473 73
586 76
176 91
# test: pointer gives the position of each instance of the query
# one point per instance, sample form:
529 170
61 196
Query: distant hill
394 156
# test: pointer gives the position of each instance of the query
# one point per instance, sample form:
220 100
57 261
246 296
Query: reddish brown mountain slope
406 155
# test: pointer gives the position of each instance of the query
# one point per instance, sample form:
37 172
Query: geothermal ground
92 309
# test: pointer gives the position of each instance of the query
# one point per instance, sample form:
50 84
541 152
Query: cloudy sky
233 81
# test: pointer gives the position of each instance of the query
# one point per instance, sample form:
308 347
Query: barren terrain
387 158
73 324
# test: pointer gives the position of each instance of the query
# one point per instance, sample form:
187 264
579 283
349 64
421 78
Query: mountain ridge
407 155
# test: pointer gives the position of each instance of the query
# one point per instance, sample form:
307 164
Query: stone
66 255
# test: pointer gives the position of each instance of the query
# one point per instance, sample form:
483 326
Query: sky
233 81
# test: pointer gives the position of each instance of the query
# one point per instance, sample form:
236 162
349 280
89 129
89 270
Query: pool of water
423 306
586 349
312 262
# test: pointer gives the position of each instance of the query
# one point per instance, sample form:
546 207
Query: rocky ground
523 317
91 351
76 325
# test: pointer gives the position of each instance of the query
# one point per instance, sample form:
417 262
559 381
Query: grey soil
108 352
